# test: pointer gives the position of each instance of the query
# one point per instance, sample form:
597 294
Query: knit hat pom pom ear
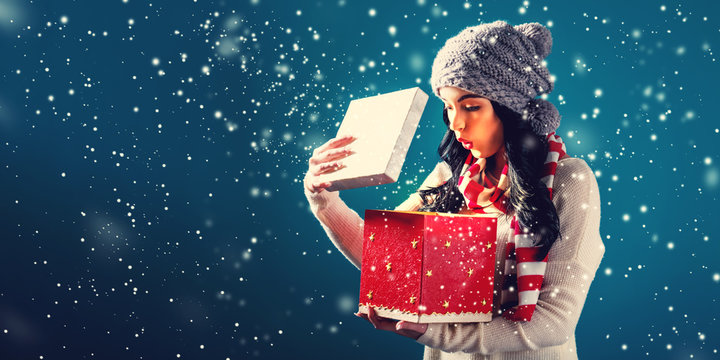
543 116
540 37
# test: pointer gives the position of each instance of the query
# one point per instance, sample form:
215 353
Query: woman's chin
476 153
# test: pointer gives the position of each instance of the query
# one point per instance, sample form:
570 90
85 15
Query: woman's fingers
319 186
312 182
380 322
404 328
372 317
311 179
329 167
332 154
333 144
410 329
326 159
321 153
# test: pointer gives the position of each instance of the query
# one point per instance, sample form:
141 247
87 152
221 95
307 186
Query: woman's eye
472 108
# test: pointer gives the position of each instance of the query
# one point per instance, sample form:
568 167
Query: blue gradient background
154 209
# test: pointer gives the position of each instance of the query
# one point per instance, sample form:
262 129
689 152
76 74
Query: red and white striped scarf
523 274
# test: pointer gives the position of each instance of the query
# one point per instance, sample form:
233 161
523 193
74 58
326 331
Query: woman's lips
466 144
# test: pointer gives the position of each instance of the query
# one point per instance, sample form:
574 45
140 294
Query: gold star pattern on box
469 272
428 273
388 266
369 295
484 302
489 245
412 299
446 304
372 237
447 244
414 244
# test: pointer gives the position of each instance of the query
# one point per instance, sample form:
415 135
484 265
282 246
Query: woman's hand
327 159
404 328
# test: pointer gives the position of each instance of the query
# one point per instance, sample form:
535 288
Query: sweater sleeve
573 261
344 226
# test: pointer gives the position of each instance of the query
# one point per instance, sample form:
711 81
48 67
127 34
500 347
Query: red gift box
428 267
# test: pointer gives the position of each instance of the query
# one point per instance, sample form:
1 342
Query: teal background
97 138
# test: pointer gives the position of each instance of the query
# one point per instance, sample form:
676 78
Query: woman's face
473 121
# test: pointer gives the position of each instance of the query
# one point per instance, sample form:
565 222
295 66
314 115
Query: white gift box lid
384 126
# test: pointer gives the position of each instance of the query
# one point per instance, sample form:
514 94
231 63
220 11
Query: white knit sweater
572 263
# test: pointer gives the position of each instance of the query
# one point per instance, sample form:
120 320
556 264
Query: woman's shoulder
577 200
572 168
440 174
444 170
574 179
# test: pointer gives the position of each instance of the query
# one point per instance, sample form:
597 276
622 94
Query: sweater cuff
455 337
433 335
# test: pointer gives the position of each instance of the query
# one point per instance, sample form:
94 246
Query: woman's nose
457 123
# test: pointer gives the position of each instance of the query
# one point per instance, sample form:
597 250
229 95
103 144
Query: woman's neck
500 162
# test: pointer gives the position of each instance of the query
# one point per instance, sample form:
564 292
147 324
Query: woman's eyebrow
466 96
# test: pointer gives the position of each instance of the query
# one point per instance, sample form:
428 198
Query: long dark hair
529 197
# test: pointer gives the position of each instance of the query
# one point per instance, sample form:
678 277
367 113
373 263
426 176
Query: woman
499 155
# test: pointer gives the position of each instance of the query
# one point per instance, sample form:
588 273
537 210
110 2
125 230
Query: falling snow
152 157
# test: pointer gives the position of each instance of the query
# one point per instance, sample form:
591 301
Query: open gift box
428 267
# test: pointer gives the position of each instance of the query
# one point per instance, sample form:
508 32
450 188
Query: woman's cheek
492 140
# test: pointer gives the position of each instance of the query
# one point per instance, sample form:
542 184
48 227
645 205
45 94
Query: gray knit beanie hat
502 63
